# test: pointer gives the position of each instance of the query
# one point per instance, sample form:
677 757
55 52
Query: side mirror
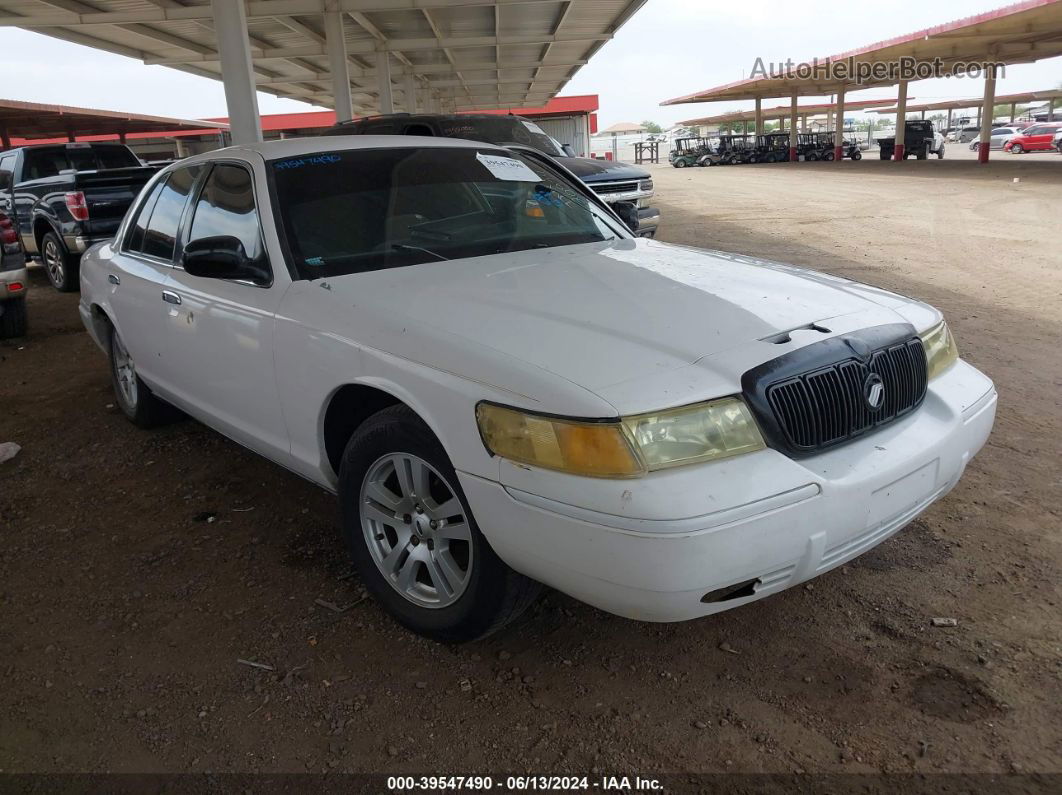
222 257
628 213
568 150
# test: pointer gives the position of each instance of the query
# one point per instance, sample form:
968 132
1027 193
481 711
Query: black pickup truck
616 183
65 197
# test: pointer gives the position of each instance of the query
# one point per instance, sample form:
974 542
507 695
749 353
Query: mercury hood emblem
874 391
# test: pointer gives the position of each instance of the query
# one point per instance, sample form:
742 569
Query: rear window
49 161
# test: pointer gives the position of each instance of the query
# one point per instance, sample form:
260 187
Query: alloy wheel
53 262
416 530
125 370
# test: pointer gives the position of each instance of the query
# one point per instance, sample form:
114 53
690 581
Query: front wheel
857 155
60 266
1016 149
412 536
811 156
13 318
680 164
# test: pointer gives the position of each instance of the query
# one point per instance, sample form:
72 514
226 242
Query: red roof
315 119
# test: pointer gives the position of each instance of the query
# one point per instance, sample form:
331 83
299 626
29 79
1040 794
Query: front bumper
652 548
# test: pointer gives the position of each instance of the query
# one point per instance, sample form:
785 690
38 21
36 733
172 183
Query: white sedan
505 387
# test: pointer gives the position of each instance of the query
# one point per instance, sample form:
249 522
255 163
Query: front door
218 342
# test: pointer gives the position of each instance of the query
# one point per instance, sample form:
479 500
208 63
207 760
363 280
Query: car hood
590 170
604 315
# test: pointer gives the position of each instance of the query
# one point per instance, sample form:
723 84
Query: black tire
60 265
13 320
812 156
828 156
680 164
143 408
857 155
923 154
940 152
884 155
1016 149
494 596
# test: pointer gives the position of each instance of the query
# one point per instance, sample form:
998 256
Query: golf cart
772 148
688 151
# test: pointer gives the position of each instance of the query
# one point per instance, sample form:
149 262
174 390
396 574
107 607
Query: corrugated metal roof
534 46
1019 33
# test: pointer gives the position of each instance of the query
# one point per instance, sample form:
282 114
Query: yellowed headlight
626 448
941 350
598 449
704 432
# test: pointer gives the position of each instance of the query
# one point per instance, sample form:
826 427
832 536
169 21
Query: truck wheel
413 538
61 267
133 396
13 318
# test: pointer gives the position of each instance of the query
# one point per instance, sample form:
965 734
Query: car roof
295 147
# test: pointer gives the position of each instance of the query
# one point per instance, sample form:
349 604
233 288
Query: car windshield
369 209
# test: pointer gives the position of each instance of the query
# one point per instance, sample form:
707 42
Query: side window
226 207
161 234
135 238
7 167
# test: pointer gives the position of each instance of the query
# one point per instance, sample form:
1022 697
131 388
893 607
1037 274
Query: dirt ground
125 610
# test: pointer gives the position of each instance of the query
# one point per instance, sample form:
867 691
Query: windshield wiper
404 247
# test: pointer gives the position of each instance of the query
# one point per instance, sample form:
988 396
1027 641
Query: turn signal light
77 205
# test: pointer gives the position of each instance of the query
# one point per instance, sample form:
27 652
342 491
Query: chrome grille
827 406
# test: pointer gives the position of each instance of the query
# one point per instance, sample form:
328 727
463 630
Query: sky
670 48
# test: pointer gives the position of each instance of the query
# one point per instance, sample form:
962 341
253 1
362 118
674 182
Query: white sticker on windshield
507 168
532 127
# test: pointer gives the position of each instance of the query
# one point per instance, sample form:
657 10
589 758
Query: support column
234 54
1013 108
1050 110
383 74
793 129
949 121
986 113
838 134
410 91
5 139
901 120
336 47
804 123
759 116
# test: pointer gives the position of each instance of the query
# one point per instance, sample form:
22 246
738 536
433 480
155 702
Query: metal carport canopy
960 104
783 111
440 54
1019 33
30 120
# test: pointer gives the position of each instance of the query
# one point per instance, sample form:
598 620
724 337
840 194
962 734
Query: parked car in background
999 137
613 181
1037 138
506 387
13 278
65 197
920 140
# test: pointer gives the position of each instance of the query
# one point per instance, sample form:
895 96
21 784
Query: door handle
171 297
113 279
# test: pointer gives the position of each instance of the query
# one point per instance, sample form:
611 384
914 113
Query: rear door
218 343
140 268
